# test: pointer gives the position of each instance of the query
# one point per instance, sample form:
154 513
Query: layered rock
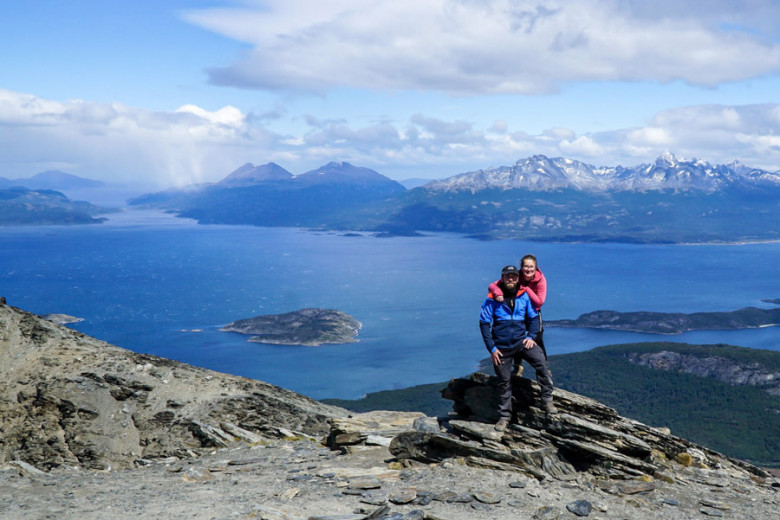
584 437
69 399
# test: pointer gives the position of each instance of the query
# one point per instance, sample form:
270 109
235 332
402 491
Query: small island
308 327
673 323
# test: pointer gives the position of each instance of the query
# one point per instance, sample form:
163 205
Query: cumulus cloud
492 46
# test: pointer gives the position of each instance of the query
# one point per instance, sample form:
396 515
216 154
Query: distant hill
538 198
725 397
22 206
52 180
673 323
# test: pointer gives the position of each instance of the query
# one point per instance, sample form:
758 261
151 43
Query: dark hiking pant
514 356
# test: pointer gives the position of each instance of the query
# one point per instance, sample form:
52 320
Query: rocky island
673 323
308 327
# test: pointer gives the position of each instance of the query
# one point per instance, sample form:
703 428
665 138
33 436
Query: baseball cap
510 269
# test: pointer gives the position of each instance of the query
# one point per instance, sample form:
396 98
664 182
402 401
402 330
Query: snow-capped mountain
540 173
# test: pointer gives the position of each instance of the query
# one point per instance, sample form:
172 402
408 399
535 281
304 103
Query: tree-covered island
673 323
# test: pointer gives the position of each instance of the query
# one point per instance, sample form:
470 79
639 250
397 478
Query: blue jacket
503 328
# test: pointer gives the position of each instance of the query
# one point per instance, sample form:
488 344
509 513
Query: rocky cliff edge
69 399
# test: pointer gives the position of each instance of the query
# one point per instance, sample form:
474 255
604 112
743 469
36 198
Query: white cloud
121 144
113 142
491 46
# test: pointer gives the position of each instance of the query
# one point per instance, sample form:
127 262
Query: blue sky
175 92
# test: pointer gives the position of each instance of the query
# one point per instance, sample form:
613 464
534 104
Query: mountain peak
344 172
249 174
666 159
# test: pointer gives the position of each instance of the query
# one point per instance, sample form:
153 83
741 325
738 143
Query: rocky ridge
209 445
69 399
714 367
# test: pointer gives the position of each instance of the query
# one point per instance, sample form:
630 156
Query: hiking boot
549 408
501 424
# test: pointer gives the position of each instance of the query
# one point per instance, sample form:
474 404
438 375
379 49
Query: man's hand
496 357
528 343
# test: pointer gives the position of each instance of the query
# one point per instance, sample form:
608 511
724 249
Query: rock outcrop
69 399
585 436
712 366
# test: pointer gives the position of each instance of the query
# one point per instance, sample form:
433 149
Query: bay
156 284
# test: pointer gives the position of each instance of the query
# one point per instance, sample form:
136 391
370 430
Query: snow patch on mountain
541 173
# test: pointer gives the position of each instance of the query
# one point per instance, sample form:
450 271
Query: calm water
164 286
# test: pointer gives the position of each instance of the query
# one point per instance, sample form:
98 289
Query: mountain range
538 198
540 173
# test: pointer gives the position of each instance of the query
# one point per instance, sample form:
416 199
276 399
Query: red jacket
536 289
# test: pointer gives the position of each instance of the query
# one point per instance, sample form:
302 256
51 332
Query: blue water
164 286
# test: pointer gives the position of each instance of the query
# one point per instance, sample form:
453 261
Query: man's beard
510 286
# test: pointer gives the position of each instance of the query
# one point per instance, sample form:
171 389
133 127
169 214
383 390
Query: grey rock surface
69 399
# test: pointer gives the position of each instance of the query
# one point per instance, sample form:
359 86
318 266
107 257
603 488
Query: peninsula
309 327
673 323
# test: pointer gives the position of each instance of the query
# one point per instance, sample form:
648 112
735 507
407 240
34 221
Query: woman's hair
528 257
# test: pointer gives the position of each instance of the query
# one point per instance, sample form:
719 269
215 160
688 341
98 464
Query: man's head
510 276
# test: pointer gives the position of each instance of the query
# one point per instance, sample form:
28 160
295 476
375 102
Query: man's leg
535 357
504 373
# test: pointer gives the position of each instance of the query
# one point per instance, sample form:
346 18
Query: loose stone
368 482
716 505
374 498
487 498
580 507
403 496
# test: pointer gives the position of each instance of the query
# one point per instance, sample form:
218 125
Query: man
508 329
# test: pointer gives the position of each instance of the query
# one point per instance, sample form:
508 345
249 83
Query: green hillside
739 420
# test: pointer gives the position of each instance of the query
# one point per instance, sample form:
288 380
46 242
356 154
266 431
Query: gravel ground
301 480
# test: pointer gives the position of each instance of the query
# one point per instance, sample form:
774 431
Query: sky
170 93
